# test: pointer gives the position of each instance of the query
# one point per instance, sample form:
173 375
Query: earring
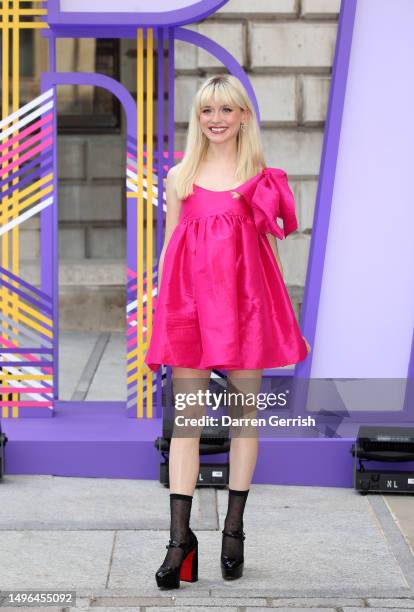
243 126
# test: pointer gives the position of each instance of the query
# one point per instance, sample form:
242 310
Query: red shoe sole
189 567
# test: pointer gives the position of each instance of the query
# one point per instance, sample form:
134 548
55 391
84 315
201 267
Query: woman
222 300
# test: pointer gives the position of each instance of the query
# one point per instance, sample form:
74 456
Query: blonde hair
222 89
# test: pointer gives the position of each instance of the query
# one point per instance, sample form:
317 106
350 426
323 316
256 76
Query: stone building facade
287 49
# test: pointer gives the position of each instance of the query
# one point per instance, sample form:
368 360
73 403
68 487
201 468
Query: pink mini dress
222 301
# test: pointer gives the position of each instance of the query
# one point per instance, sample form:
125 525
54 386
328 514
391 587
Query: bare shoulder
173 203
172 172
171 194
171 183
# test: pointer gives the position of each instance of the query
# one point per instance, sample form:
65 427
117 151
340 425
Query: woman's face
225 117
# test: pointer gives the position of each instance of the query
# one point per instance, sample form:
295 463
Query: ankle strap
176 544
240 535
184 545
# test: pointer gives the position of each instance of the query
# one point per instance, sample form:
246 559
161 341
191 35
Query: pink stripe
26 144
132 169
26 390
27 155
165 154
9 344
27 404
131 273
27 131
132 330
133 317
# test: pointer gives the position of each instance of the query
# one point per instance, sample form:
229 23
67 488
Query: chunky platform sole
169 578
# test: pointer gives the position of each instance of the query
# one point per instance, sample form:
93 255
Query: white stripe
133 304
26 120
134 176
36 102
132 187
134 324
27 383
26 215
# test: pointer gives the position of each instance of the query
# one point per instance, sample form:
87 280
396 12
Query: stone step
92 293
81 273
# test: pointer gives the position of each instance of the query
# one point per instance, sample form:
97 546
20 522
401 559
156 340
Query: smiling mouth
217 130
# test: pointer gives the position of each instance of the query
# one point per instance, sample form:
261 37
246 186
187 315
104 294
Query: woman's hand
307 344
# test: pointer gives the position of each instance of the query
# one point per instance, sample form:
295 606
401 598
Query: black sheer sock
233 547
180 509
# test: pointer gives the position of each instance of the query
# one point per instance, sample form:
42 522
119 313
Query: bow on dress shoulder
270 196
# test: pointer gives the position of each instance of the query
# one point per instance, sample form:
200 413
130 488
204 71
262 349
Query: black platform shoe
169 577
232 568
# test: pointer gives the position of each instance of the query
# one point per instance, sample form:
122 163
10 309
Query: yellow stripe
33 200
131 366
33 186
15 196
134 353
29 310
140 210
33 325
5 113
22 194
10 260
136 376
130 379
27 25
150 119
135 364
26 376
37 11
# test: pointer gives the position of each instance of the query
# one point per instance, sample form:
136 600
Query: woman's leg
243 454
184 455
184 460
244 443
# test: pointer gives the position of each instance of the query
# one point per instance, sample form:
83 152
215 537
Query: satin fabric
222 301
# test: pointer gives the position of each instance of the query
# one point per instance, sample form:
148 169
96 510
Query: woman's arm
172 216
273 244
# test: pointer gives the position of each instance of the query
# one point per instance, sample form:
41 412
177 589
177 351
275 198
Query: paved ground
99 371
306 547
325 548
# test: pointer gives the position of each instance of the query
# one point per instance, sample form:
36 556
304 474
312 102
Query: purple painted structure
194 11
73 25
95 439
